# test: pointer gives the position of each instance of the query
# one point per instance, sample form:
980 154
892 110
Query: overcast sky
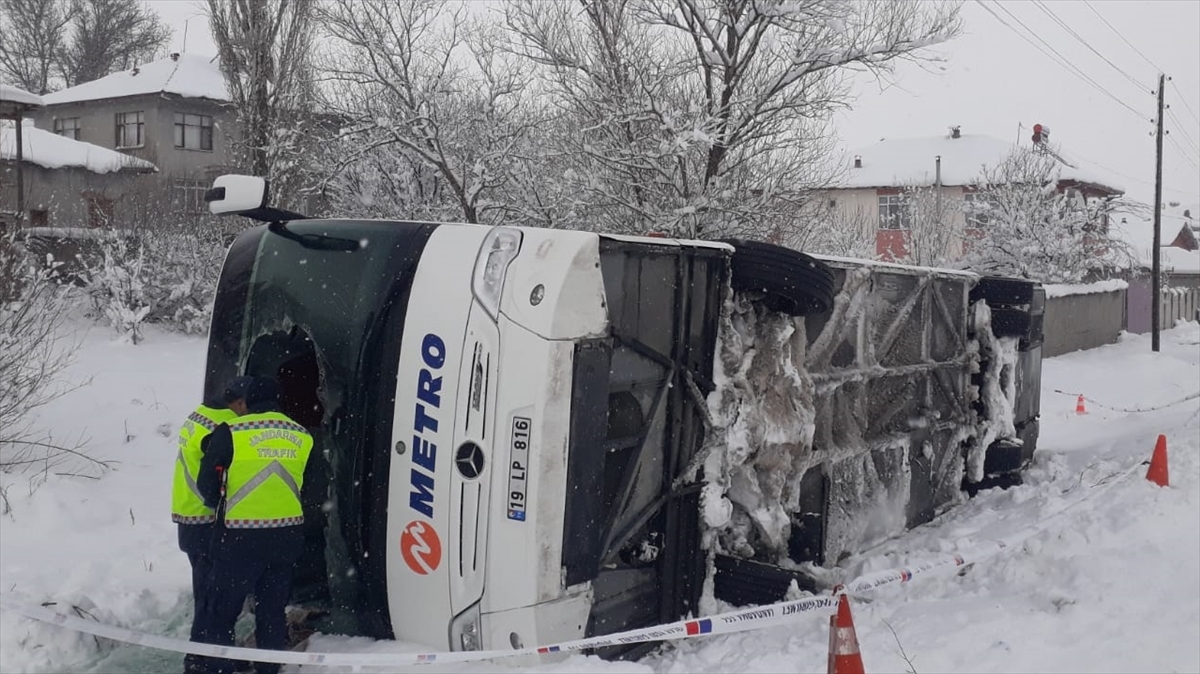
992 80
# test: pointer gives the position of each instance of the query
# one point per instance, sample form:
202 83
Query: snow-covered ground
1112 583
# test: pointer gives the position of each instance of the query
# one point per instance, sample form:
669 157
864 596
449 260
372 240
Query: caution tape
723 623
1132 410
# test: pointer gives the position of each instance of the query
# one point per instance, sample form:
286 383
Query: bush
164 277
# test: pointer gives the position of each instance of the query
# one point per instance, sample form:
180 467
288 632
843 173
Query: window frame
204 124
138 123
974 218
895 212
60 128
187 196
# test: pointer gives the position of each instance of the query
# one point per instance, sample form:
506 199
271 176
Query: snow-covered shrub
117 287
167 277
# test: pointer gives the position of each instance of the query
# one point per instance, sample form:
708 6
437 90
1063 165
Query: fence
1178 304
1083 321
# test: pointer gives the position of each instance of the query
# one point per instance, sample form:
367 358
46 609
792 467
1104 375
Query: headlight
466 631
499 248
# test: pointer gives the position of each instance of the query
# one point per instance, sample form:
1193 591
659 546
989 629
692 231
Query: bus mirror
233 194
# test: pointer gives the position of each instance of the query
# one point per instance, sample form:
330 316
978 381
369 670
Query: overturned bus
524 436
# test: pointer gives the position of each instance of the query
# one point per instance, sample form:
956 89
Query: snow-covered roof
912 161
12 94
1139 233
53 151
186 75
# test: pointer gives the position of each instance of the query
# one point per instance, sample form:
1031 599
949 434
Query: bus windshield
326 321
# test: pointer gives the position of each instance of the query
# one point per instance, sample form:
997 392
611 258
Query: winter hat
262 393
236 388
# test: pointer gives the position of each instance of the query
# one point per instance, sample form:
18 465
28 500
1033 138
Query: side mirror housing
234 194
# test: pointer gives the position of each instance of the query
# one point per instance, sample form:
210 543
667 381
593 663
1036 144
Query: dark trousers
249 561
196 541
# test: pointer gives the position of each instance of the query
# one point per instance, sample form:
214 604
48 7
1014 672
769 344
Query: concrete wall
1075 322
98 126
63 194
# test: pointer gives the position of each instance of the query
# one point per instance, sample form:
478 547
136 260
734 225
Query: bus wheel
792 283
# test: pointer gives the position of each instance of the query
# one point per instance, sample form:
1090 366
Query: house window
193 132
976 209
68 127
131 128
894 212
99 210
189 196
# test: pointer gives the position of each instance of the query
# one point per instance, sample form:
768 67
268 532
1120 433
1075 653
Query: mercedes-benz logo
469 460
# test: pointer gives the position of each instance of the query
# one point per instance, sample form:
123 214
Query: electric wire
1187 156
1181 128
1183 99
1050 12
1123 38
1060 60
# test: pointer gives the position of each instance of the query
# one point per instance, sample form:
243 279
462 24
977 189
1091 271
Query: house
174 113
68 183
875 192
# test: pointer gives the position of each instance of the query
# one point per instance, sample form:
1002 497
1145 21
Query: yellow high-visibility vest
263 482
187 507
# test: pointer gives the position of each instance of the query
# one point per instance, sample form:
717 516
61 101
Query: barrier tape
1132 410
723 623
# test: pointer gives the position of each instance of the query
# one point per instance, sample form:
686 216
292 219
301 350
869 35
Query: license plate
518 467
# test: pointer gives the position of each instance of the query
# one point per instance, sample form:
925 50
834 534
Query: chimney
857 161
956 132
174 56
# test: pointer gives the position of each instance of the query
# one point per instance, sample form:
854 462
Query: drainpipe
20 176
937 185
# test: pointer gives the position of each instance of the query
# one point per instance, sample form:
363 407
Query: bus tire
999 290
791 282
1011 323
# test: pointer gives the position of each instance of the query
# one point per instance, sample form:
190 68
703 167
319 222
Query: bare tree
437 115
32 35
1033 228
34 355
710 116
265 50
109 35
935 235
844 232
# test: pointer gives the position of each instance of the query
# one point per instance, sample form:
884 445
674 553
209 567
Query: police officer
260 457
188 510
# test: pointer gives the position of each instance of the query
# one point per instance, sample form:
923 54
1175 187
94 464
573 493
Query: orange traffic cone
844 657
1158 463
1079 408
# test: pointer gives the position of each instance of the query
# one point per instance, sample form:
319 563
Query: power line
1114 29
1183 153
1182 129
1183 99
1061 60
1143 181
1049 12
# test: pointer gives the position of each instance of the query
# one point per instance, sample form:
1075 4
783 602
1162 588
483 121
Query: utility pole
1156 265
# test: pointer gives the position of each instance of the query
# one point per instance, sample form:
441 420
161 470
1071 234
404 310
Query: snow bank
1065 289
188 75
53 151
